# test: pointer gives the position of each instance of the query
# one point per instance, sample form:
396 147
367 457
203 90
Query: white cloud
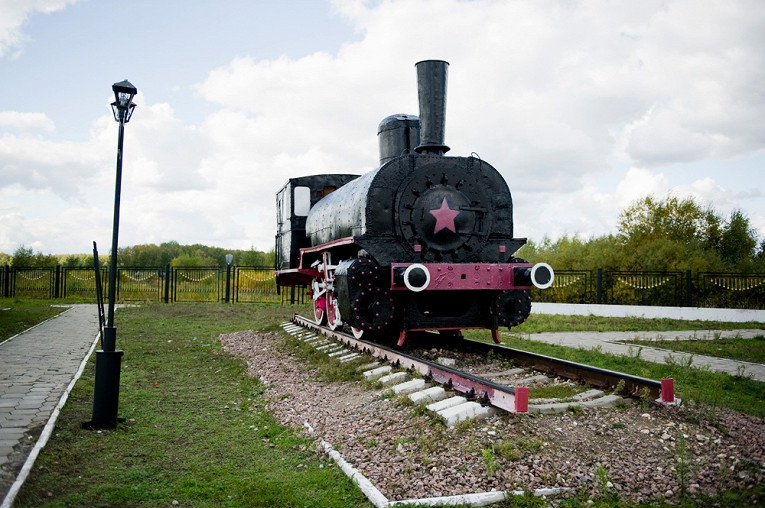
558 96
26 122
13 15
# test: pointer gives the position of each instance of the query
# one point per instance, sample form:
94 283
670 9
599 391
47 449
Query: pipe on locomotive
431 91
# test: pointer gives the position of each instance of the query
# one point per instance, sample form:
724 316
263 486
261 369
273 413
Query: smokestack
431 90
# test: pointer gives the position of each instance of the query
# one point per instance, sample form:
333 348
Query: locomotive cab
293 202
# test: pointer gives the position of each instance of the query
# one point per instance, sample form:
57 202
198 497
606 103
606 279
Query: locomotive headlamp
540 275
416 277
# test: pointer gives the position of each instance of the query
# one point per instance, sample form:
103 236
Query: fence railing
256 284
673 289
253 284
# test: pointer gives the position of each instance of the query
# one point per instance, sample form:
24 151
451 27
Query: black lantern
123 105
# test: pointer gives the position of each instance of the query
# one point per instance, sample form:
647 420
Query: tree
738 241
194 260
683 221
27 258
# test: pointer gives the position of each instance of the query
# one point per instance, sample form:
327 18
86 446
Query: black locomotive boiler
423 242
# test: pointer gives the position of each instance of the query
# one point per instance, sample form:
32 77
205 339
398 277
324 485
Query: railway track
479 392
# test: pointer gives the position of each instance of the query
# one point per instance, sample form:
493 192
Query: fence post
599 287
167 282
228 282
57 282
688 289
7 281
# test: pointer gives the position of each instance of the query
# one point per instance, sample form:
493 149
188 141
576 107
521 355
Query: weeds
645 399
604 480
493 357
683 362
556 391
489 461
526 500
514 450
464 425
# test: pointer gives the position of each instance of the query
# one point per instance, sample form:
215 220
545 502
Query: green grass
23 314
749 350
538 323
560 391
196 428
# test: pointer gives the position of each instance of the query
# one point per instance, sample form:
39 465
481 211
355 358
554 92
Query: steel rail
580 372
474 387
487 391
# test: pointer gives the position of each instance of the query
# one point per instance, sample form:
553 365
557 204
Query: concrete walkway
36 367
611 342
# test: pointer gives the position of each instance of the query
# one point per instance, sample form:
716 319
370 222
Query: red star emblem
444 217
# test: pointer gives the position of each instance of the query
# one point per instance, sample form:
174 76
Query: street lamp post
108 359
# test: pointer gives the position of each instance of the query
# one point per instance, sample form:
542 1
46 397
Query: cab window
302 201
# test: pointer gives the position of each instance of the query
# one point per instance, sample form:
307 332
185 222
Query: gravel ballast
637 453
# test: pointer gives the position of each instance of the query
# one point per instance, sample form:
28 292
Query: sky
583 106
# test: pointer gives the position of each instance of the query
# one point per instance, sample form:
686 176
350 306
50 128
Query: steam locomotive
423 242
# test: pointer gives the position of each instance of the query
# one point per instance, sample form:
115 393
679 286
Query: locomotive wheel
512 307
358 333
319 303
333 312
373 310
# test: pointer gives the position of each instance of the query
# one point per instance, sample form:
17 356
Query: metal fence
32 282
253 284
672 289
569 286
196 284
643 288
257 284
81 282
732 290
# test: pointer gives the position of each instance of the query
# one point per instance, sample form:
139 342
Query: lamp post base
106 394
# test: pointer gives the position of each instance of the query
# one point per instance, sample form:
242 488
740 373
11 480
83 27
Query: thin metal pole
110 339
